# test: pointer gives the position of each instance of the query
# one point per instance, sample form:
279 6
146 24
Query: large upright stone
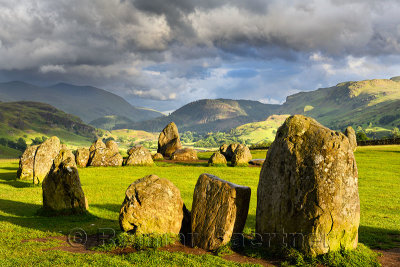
185 154
308 189
351 134
82 157
152 205
242 156
168 141
112 145
97 144
44 157
62 190
139 156
219 209
25 169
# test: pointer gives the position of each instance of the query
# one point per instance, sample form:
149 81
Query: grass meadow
379 189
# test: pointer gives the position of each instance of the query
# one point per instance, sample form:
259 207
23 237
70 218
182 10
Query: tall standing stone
82 157
112 145
44 157
62 190
152 205
25 169
351 134
169 141
308 189
219 209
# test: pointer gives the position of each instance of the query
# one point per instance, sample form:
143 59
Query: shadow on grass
379 238
7 176
109 207
10 168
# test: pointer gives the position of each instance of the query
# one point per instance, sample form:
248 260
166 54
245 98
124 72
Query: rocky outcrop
308 189
241 156
217 159
25 169
351 134
152 205
139 156
82 157
219 209
184 154
168 141
44 157
62 190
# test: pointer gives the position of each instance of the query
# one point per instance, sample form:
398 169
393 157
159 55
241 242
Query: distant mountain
32 119
361 103
111 122
86 102
210 115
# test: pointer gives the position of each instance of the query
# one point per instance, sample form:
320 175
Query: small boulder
82 157
168 141
230 151
351 134
158 156
308 189
44 157
112 145
152 205
185 154
257 162
219 209
62 190
242 156
139 156
217 159
25 169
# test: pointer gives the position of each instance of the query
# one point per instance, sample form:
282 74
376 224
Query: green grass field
379 188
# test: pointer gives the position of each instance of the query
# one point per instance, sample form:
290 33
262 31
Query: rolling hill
86 102
210 115
111 122
29 120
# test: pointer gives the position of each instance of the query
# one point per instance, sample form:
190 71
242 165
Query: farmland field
21 228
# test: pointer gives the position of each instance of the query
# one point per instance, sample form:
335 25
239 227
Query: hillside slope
32 119
210 115
350 103
86 102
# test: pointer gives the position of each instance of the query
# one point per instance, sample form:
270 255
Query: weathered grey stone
219 209
112 145
105 157
309 186
242 156
230 151
97 144
217 159
62 190
257 162
152 205
185 154
351 134
44 157
139 156
82 157
158 156
25 169
168 141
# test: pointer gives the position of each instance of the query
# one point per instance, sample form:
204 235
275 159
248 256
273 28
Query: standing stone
152 205
45 155
219 209
82 157
25 170
139 156
158 156
223 148
185 154
168 141
308 188
230 151
62 190
217 159
112 145
351 134
105 157
242 156
97 144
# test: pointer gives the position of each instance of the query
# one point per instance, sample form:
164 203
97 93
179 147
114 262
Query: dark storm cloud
182 50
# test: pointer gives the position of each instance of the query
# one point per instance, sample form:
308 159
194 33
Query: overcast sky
163 54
